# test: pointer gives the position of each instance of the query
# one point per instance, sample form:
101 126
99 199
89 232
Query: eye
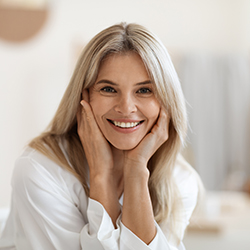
108 89
144 91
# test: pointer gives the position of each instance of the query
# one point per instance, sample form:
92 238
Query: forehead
126 66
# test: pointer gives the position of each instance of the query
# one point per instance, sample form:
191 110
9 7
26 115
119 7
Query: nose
125 105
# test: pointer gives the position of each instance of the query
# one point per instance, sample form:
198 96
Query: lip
125 120
125 130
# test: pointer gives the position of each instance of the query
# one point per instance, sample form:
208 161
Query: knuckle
165 135
88 118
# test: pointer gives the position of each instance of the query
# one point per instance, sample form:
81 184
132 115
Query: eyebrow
115 84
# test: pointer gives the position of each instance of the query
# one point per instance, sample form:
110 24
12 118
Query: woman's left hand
137 213
141 154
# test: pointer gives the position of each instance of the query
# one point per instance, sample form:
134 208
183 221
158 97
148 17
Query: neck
118 157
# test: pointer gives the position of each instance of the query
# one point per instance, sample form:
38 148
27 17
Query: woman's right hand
96 147
100 160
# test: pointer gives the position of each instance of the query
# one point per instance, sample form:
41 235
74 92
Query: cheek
152 111
100 106
95 104
97 111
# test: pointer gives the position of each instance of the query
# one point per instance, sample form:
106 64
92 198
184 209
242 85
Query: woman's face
123 100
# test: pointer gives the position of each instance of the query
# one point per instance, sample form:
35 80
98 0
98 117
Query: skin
118 157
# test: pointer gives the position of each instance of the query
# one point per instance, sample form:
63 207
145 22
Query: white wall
34 75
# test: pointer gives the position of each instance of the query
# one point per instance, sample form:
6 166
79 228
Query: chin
124 146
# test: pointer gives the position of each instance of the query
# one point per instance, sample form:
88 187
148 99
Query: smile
125 124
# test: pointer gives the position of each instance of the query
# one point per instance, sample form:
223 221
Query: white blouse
50 210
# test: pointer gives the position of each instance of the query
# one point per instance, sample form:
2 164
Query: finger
87 111
85 95
88 116
88 127
164 125
163 118
160 132
162 122
154 139
85 119
79 114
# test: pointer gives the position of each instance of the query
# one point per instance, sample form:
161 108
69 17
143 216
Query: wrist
100 179
101 186
136 172
100 174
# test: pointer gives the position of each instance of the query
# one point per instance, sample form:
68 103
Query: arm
188 186
137 228
100 160
137 212
51 211
48 215
43 210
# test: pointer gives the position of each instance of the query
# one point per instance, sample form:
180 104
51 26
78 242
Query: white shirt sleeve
46 216
100 226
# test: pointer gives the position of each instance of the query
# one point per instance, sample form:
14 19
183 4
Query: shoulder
44 192
35 170
32 163
189 184
185 175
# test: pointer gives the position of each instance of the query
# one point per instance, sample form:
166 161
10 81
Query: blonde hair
123 38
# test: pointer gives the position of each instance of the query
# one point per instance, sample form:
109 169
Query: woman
107 173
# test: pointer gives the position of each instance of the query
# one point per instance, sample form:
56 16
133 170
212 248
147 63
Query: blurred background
209 42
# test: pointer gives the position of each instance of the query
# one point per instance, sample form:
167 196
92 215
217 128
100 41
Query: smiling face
123 100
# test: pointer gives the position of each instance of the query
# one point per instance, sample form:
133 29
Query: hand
97 149
100 160
137 214
141 154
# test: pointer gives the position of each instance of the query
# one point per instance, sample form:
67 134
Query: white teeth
126 125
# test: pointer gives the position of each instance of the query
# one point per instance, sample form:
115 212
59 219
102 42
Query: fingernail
82 103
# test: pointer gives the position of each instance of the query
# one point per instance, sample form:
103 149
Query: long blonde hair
63 128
